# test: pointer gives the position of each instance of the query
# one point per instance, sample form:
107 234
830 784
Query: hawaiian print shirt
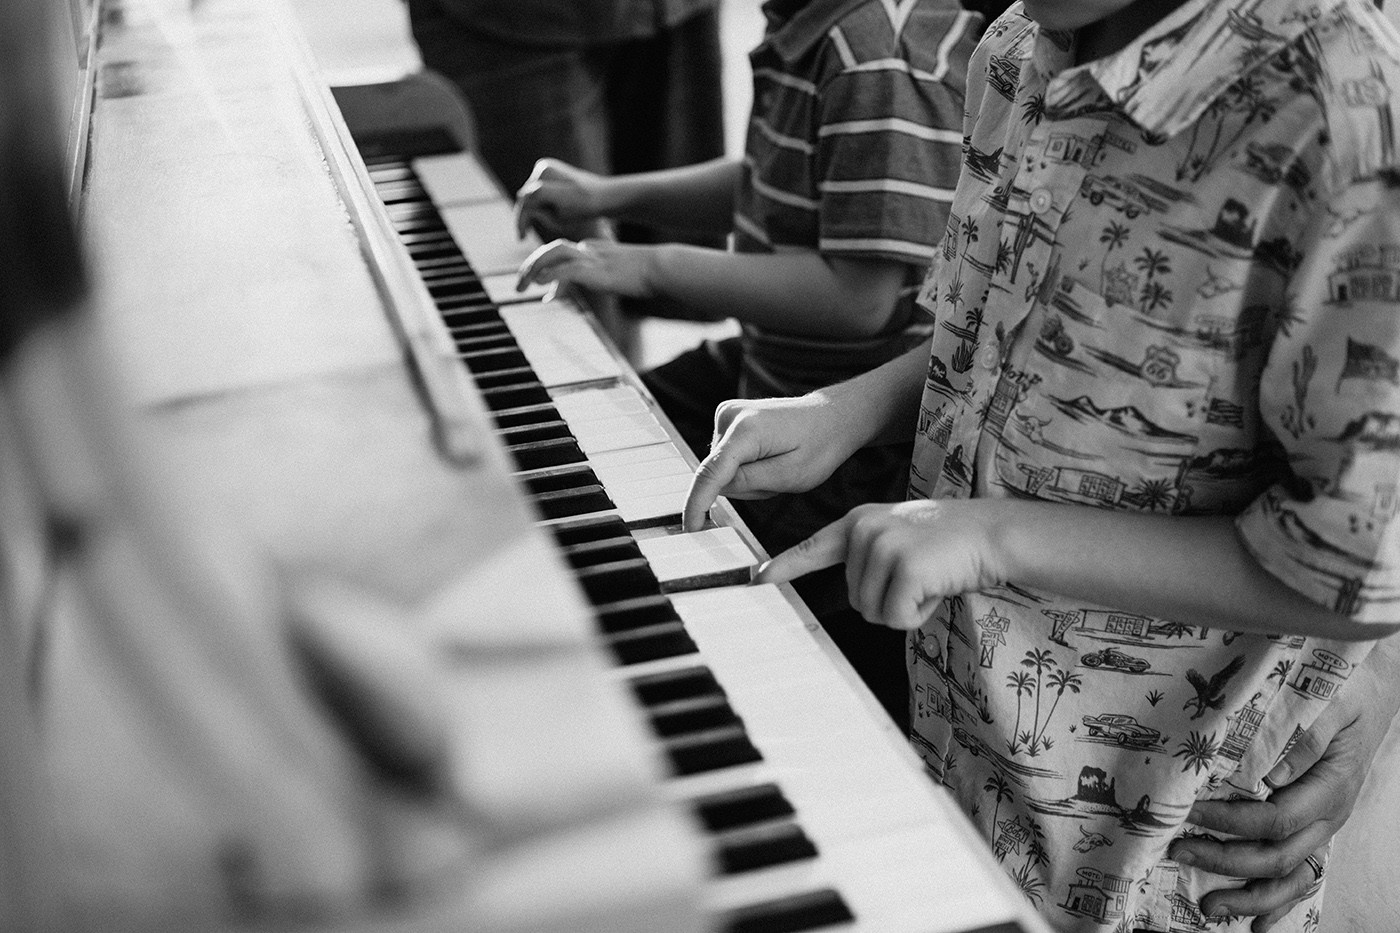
1170 283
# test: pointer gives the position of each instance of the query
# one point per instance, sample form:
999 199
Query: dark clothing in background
611 86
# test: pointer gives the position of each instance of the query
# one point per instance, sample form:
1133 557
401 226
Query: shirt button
1041 200
989 356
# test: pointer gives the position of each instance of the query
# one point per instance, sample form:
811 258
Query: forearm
698 197
883 402
792 292
1190 570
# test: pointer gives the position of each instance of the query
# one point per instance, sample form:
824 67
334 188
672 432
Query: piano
310 295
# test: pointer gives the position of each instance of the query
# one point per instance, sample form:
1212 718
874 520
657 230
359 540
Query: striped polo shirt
854 147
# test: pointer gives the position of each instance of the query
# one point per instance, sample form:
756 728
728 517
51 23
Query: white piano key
654 507
700 554
640 430
584 405
560 343
501 289
457 178
485 233
656 454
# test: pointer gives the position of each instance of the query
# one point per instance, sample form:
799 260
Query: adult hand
557 199
901 559
1317 783
763 447
599 265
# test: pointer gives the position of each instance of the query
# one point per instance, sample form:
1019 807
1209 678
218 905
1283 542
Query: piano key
501 288
651 643
692 714
457 178
542 454
755 847
561 343
637 612
808 911
616 580
477 229
708 558
742 806
588 529
710 750
590 553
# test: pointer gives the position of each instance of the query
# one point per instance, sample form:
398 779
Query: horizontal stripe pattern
854 148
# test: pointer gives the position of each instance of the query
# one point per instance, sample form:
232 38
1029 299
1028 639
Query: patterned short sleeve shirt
1170 283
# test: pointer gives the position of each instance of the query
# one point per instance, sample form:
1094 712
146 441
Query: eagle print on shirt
1176 296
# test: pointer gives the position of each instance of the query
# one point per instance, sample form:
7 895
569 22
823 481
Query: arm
901 559
794 292
767 446
1316 786
559 198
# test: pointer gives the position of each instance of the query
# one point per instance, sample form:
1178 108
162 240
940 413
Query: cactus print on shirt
1170 283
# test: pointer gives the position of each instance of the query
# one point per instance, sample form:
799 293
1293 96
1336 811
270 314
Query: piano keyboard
817 815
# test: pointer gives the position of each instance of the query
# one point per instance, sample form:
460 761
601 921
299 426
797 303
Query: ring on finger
1319 868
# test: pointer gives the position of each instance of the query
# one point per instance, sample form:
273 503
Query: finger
1305 752
544 258
728 455
867 572
826 548
1253 858
525 207
1263 897
904 604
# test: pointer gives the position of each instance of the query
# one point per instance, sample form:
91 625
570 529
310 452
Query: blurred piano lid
278 347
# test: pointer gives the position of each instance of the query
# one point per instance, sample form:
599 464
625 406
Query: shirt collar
793 36
1167 77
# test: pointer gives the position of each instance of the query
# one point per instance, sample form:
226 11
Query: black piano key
430 259
466 290
403 191
739 576
669 640
742 806
710 750
692 714
581 500
619 579
517 396
757 847
637 612
573 478
589 529
482 342
461 317
589 553
534 431
656 689
496 360
542 414
501 378
441 270
487 328
549 452
809 911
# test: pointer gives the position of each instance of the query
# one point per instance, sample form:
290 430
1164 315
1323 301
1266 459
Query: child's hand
901 559
763 447
600 265
557 199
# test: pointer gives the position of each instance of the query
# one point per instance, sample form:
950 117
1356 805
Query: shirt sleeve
889 148
1330 393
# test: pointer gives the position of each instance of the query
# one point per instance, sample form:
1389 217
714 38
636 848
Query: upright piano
310 295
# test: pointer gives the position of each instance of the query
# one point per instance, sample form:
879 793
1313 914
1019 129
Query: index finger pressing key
711 476
826 548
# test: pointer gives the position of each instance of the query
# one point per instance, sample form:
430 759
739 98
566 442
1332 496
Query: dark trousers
689 388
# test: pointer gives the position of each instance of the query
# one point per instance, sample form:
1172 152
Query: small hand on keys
596 264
